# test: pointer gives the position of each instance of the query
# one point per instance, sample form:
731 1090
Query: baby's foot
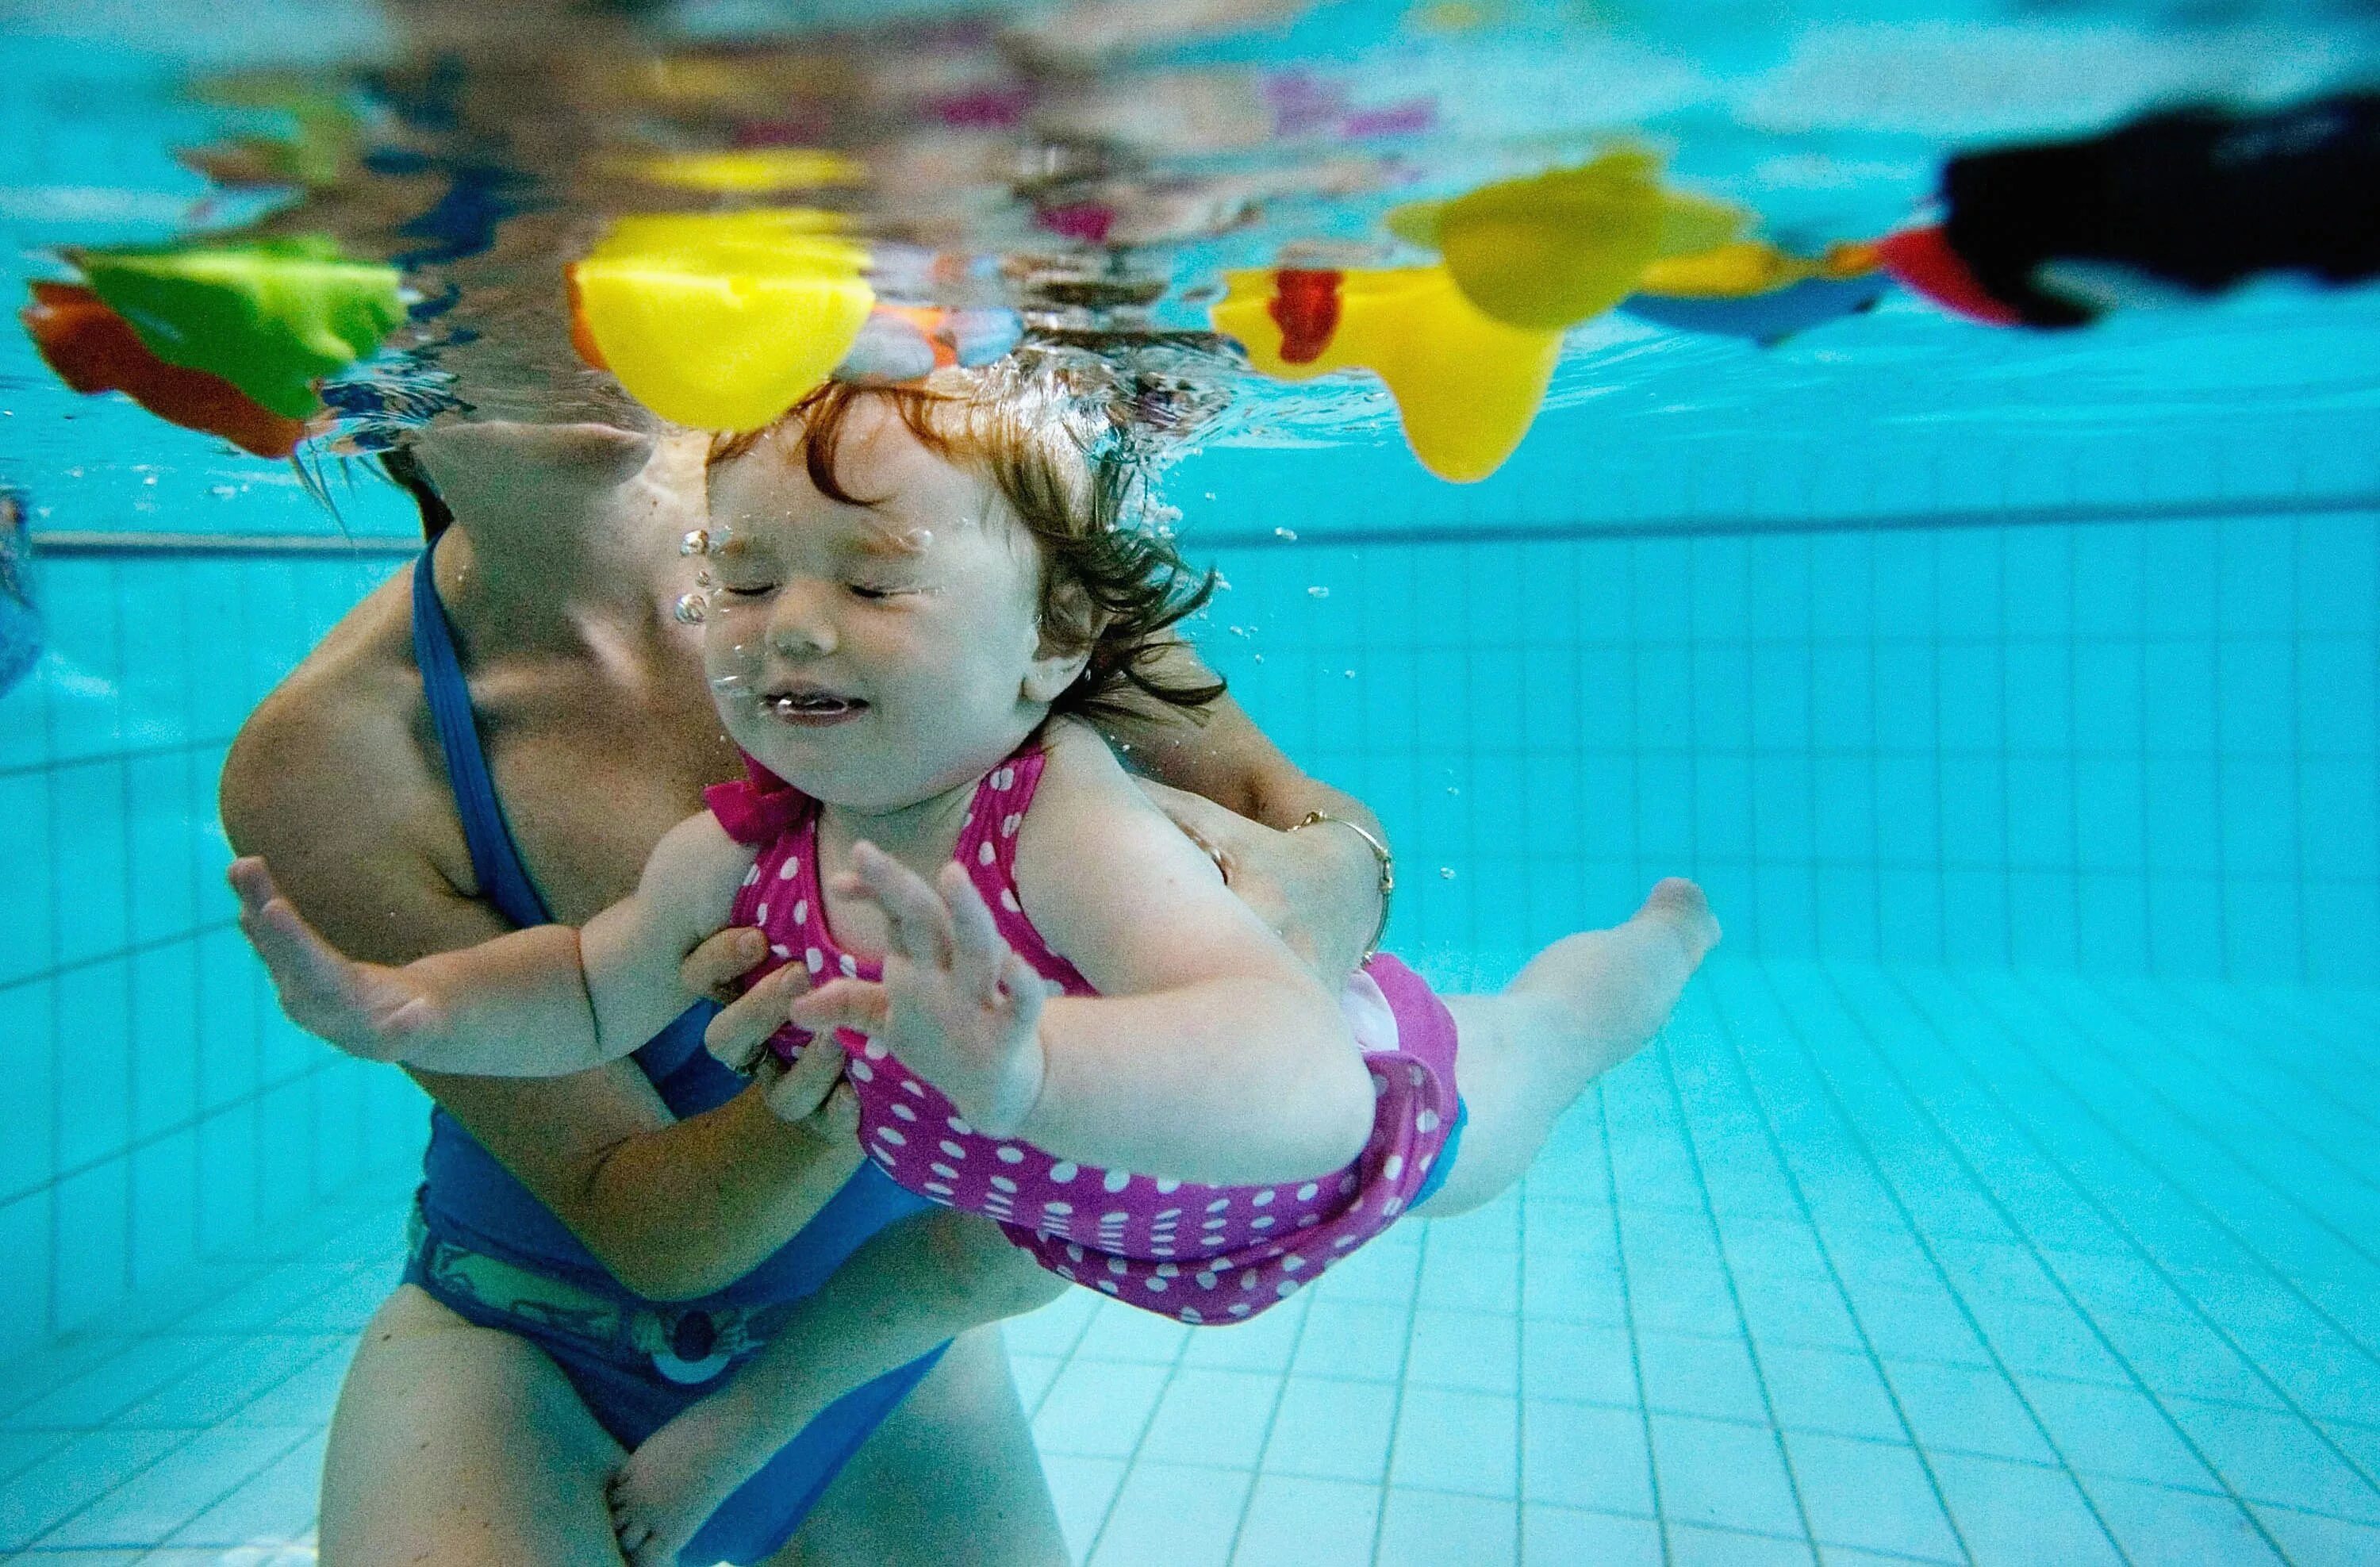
1677 904
1613 991
678 1479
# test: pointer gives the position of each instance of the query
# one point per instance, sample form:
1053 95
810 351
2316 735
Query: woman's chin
619 453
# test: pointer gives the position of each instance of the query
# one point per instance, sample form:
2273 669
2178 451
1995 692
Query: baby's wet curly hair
1108 589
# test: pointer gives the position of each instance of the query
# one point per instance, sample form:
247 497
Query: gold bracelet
1388 873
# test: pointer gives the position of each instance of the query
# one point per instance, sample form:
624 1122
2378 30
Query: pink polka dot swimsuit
1195 1253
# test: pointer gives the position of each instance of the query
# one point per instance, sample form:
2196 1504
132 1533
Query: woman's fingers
743 1026
1214 830
839 1117
833 1116
806 1084
976 947
921 925
712 968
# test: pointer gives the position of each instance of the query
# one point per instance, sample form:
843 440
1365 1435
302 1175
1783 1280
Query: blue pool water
2005 1190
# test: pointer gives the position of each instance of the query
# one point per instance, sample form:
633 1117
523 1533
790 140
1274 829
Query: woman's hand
812 1093
956 1004
1320 891
365 1009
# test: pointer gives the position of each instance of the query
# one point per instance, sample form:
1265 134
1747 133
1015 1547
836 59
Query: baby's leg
684 1472
911 1287
1581 1007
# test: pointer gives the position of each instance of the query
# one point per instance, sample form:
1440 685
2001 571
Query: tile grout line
1998 1206
2125 1066
1834 1275
2162 1170
1628 1320
1662 1055
2183 1001
1397 1403
1272 1419
1916 1233
2165 1275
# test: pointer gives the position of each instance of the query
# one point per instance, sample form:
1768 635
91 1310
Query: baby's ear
1069 632
1053 674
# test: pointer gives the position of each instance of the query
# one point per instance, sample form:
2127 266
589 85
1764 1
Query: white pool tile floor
1858 1265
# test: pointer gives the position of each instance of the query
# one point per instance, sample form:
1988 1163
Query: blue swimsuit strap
504 879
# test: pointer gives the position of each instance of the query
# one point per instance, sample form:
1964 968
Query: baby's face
872 657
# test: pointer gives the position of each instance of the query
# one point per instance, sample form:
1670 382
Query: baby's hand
957 1006
365 1009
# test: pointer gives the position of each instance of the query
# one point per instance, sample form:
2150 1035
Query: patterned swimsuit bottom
1195 1253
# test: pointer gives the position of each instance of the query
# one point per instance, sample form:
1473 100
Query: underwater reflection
1235 212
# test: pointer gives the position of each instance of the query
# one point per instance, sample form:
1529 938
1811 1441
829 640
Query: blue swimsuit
469 1201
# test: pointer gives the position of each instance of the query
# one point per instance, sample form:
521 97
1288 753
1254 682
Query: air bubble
696 542
690 608
1317 592
1446 874
1286 536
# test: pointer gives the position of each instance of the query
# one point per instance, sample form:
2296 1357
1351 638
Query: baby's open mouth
809 706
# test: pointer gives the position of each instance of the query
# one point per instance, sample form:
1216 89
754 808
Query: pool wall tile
2141 746
172 1118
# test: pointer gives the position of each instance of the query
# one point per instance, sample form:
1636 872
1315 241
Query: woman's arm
1234 791
947 1271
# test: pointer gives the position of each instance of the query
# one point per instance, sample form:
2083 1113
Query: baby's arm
542 1002
1211 1054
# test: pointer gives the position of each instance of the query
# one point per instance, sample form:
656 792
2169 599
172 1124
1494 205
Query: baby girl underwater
1050 1010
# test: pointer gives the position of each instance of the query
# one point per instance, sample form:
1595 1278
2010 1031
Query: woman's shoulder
335 779
339 713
